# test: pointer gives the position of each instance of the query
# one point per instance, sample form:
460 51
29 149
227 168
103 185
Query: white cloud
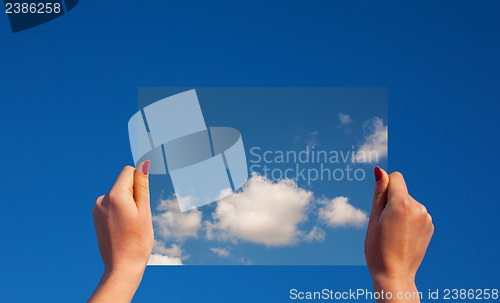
312 138
159 259
221 252
345 119
174 250
265 212
374 147
316 234
172 224
307 137
338 212
161 255
244 261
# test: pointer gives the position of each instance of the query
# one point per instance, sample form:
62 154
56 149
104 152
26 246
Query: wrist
120 283
394 283
124 273
398 287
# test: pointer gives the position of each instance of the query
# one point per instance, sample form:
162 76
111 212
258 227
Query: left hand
122 221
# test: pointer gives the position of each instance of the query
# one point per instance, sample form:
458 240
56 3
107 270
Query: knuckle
127 170
396 174
403 209
99 200
400 196
407 207
406 203
113 195
422 209
420 213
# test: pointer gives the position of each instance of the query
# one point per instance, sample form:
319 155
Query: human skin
122 221
399 231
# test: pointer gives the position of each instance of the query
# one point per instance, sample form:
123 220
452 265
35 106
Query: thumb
380 195
141 185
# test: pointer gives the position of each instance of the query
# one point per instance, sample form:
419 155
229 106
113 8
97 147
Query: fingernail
378 173
145 167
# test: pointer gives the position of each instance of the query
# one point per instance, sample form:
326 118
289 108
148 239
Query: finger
380 195
141 185
99 200
397 187
125 181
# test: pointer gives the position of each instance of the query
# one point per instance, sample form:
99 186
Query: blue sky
70 86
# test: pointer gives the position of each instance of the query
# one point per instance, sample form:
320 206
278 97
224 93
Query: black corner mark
25 14
70 4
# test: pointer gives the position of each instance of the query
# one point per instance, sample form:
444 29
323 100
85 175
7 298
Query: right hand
398 234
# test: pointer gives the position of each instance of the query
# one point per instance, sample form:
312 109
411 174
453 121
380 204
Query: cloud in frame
375 143
338 212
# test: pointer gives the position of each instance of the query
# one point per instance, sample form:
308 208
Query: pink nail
145 167
378 173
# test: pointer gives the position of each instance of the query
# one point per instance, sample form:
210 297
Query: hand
122 221
399 232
